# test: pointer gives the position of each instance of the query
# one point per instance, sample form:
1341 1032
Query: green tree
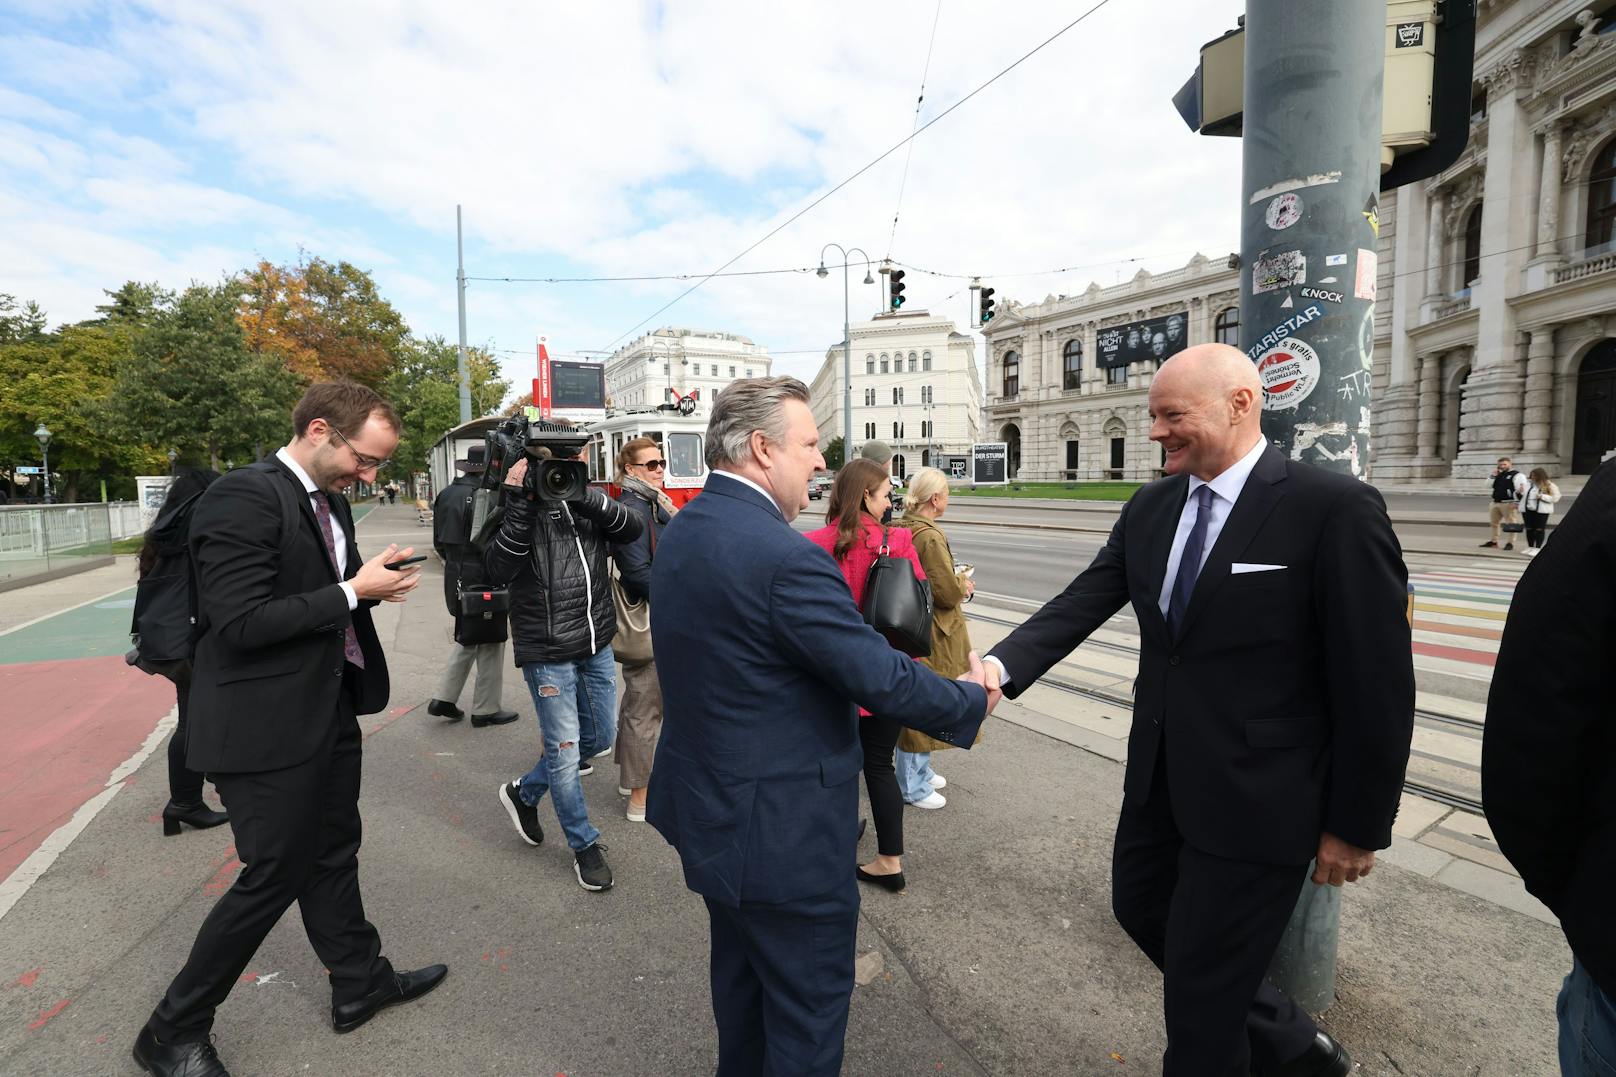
20 323
834 452
425 392
323 320
191 382
135 304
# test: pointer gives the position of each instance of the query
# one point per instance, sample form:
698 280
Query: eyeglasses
652 465
366 463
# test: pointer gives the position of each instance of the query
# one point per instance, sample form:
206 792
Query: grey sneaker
590 865
524 817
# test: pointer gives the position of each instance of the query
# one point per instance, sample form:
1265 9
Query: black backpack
165 625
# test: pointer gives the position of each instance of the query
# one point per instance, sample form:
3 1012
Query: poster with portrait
1157 338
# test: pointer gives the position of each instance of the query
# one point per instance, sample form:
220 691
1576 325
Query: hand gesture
987 677
1340 862
377 582
515 473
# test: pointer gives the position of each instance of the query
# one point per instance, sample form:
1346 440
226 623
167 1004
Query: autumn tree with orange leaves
323 320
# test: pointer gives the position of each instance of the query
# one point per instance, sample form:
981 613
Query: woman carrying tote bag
640 469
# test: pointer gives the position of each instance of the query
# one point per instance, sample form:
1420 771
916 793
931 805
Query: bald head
1206 409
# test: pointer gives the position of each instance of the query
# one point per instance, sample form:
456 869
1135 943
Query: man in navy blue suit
757 769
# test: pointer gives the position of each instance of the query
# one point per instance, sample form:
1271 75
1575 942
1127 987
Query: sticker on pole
1289 373
1272 272
1364 285
1284 211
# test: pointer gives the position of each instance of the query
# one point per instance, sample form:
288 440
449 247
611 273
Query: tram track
1442 793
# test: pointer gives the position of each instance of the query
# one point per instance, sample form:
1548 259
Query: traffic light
986 295
895 288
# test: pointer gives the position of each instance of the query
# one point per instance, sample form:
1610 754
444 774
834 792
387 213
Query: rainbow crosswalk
1459 613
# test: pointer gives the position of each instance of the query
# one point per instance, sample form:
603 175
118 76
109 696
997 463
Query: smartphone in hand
396 565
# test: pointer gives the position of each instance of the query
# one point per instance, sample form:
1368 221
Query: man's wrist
353 596
1004 674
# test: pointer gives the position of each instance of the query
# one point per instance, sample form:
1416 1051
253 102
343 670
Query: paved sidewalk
1002 957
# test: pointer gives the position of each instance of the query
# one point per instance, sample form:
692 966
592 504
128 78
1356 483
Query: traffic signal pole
1311 155
462 373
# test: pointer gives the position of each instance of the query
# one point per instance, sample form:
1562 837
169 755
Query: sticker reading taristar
1289 373
1284 329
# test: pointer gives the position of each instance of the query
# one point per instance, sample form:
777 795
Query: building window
1012 373
869 431
899 468
1226 329
884 364
1116 375
1602 200
1472 248
925 428
869 398
732 372
894 431
1071 459
925 458
1478 105
1072 360
912 360
925 394
897 396
664 370
869 364
749 372
925 360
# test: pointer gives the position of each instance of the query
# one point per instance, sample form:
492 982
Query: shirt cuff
1004 674
353 599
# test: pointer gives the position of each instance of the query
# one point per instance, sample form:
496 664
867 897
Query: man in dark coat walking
476 641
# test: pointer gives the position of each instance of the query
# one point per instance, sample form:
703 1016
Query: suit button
1173 661
337 671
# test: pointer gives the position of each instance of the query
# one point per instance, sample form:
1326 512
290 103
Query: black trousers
184 784
1211 925
782 979
297 833
879 738
1536 524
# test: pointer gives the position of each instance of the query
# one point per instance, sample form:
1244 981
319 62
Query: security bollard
1304 964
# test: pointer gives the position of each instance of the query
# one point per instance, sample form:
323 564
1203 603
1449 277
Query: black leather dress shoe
194 1059
497 718
1323 1058
403 987
198 815
444 709
893 882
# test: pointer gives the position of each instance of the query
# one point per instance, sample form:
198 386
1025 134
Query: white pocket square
1237 568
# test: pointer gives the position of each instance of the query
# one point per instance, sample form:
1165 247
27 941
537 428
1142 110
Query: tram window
684 455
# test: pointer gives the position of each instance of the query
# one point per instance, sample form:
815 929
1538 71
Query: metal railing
39 542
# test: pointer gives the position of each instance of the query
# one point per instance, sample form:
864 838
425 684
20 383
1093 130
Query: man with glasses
286 659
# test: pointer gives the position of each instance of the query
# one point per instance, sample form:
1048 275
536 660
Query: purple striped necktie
350 639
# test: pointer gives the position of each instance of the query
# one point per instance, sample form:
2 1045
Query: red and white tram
683 439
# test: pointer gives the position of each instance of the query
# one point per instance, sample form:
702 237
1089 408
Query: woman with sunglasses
640 470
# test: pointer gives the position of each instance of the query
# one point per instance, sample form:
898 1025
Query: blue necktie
1189 564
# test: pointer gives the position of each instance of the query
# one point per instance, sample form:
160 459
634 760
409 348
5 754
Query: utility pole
462 372
1311 157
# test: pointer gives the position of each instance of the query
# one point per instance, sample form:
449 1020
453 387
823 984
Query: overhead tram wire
909 154
815 203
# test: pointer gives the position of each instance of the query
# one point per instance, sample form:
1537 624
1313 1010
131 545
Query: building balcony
1588 267
1447 308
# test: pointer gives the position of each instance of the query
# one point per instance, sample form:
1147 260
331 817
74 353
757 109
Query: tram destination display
1154 338
989 461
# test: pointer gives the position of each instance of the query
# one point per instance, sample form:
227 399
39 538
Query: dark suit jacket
1548 758
269 663
762 656
1287 700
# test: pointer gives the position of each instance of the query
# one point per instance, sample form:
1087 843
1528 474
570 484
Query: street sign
989 461
29 470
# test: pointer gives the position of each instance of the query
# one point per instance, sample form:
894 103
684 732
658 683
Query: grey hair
924 485
745 407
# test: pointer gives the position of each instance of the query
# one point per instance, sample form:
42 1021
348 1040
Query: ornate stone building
1066 392
642 372
1502 318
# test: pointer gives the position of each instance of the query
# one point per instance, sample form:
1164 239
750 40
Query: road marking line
68 609
40 860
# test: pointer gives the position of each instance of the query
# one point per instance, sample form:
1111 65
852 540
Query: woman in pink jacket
853 536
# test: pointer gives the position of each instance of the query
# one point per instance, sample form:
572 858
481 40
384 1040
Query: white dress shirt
339 537
753 485
1225 492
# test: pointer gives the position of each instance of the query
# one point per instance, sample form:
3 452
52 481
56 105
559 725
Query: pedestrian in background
164 538
480 642
881 453
1508 485
1537 504
640 471
926 500
854 538
1548 759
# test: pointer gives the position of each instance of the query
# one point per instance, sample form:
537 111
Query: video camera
554 471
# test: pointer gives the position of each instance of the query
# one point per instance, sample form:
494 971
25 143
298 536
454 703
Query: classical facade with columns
1502 305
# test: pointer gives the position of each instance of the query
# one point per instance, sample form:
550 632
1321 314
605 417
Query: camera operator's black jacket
552 554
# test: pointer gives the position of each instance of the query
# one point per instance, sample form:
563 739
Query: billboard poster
956 467
1154 338
989 463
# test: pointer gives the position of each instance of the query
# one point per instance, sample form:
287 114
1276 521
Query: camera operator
553 556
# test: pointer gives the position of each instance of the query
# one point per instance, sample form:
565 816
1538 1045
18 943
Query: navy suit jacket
763 657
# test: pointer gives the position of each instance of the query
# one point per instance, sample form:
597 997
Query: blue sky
178 140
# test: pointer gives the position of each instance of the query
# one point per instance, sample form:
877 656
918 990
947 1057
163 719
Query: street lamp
172 456
43 436
847 340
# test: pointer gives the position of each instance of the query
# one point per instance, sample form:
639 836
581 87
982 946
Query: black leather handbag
484 616
897 604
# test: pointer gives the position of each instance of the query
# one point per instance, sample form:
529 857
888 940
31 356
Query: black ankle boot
198 815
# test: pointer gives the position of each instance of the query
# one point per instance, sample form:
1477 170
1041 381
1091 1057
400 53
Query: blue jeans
914 774
1587 1026
577 707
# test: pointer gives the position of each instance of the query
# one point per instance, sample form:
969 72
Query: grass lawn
128 545
1070 491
